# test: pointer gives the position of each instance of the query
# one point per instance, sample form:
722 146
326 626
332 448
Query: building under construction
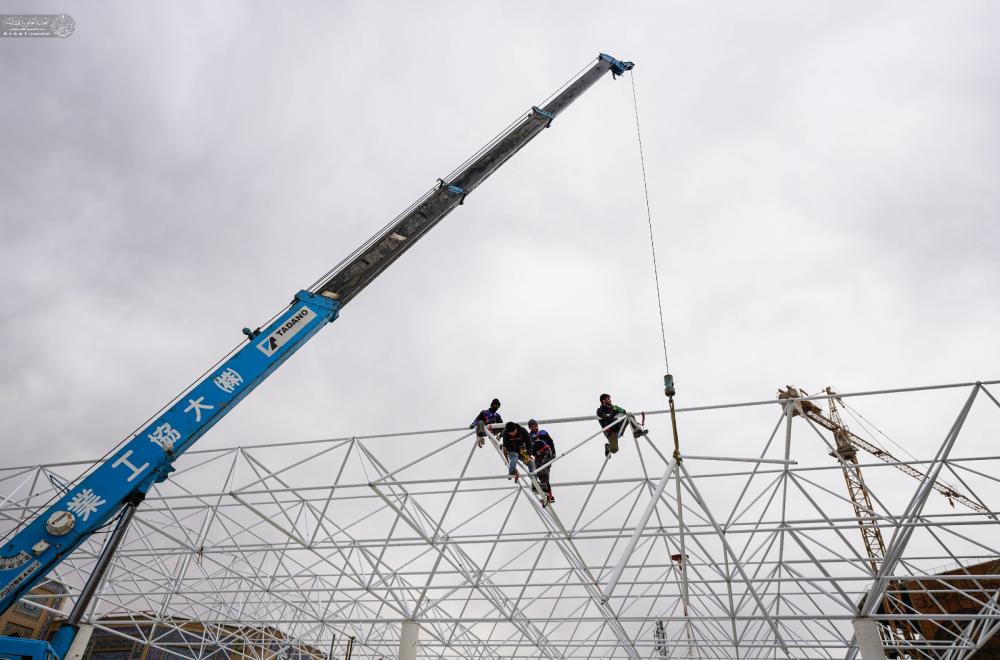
757 553
786 527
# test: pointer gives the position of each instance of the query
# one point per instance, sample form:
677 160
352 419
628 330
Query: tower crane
847 445
119 484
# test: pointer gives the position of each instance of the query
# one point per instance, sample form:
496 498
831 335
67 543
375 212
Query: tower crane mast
860 497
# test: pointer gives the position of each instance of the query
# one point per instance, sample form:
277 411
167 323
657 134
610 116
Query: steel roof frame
305 544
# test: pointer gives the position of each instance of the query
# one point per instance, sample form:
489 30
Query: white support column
869 641
409 636
80 642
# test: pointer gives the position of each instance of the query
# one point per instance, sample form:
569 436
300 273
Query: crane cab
15 648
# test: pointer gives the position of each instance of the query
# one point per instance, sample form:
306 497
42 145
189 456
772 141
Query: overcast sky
823 182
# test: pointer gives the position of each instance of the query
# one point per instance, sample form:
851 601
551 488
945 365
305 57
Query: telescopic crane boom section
358 270
42 542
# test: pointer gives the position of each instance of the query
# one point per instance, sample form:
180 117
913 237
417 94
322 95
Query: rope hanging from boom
668 380
649 218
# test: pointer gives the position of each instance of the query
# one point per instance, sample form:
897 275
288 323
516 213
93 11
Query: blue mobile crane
118 485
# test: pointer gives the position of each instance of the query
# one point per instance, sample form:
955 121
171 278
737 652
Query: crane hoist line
119 483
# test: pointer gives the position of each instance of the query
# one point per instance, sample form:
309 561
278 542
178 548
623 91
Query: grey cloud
822 178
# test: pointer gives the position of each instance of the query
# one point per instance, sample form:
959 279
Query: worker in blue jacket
613 419
486 418
543 450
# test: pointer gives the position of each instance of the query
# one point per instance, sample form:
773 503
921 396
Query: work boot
512 475
481 441
638 433
517 477
550 498
607 449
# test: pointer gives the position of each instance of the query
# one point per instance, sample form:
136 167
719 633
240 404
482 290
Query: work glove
618 409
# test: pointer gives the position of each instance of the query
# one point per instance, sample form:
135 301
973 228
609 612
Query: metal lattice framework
746 548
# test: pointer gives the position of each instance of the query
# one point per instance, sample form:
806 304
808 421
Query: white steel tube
639 528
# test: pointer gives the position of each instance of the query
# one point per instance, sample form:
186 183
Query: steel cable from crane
668 380
864 423
649 218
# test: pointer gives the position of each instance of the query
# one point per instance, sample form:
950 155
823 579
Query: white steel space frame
292 548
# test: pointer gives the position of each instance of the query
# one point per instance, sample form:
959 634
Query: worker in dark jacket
486 418
516 439
543 450
613 419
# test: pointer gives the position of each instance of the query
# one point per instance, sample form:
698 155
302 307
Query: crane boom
842 434
41 543
359 269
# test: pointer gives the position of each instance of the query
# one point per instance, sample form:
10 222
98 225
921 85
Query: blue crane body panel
14 648
148 457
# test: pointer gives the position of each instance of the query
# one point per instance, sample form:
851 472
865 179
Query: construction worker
516 439
486 418
607 416
543 450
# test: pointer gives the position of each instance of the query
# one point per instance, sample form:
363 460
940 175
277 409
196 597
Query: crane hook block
668 385
617 66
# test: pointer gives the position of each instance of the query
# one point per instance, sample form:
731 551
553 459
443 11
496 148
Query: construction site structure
365 535
897 600
848 443
109 493
960 590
